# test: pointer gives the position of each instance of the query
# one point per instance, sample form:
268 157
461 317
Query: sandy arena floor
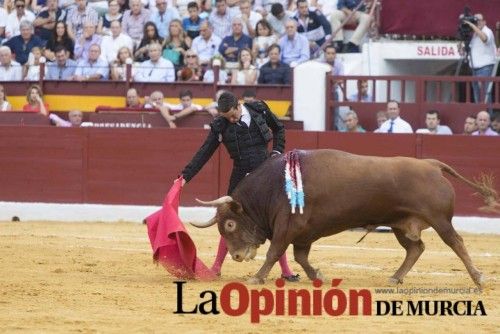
99 277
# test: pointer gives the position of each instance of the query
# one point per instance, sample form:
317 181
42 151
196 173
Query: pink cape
172 246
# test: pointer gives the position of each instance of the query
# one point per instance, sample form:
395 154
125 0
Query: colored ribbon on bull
293 182
172 246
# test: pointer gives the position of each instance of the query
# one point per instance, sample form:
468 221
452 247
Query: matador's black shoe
291 278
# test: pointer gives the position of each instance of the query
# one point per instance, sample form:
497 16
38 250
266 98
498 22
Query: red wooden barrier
137 166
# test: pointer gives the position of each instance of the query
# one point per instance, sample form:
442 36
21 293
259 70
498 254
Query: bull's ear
235 206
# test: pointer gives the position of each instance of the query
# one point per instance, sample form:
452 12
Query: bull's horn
219 201
204 224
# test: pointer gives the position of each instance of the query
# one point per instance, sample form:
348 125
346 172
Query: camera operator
482 53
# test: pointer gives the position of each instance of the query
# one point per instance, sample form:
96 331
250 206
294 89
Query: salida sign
438 50
236 299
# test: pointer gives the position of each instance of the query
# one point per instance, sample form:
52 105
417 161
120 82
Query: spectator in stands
3 23
22 44
395 124
345 9
181 5
31 70
192 23
119 66
134 21
212 107
337 68
381 117
12 27
432 121
294 47
63 68
163 16
312 24
176 44
352 123
94 68
246 74
185 107
209 75
470 125
150 36
112 43
4 104
362 94
132 99
231 45
483 54
34 97
88 38
249 95
248 17
264 7
78 16
220 19
278 18
156 101
264 38
275 72
207 44
113 14
156 69
124 6
191 71
75 118
483 125
10 70
59 37
495 123
46 20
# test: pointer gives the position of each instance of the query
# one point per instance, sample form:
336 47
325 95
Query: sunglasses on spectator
19 6
191 56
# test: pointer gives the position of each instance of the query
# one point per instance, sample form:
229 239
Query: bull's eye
230 225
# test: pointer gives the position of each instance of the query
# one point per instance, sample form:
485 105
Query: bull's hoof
395 281
255 281
480 281
319 275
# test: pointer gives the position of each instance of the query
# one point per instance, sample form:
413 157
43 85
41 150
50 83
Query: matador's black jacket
247 146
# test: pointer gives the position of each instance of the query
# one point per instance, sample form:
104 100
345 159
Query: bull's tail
483 185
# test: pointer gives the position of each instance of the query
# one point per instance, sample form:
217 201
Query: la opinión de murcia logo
236 299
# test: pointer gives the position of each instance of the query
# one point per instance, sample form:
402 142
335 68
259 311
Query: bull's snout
244 255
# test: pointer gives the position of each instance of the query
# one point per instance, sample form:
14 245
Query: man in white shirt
207 44
248 17
482 53
395 124
432 120
3 22
9 70
15 18
111 44
173 112
156 69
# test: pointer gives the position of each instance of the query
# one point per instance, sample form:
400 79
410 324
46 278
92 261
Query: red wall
138 166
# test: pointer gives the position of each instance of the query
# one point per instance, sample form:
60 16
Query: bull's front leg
273 254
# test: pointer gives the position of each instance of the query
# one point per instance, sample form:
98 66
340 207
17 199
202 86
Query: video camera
465 31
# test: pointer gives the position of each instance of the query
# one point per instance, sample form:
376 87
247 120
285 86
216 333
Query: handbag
173 55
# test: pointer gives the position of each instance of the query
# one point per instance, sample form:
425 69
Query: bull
343 191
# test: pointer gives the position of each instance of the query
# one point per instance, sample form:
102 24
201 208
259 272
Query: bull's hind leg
454 240
414 248
301 254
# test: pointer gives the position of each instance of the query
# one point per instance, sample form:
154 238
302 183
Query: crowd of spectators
392 120
100 37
